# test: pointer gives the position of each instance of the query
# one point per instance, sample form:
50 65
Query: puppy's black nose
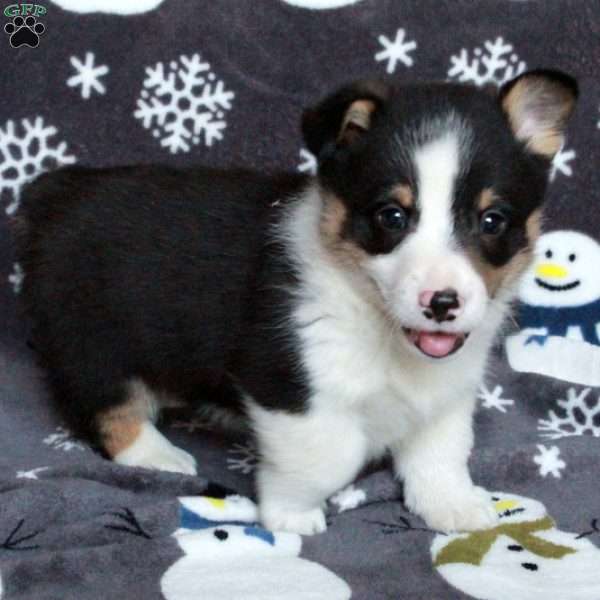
442 303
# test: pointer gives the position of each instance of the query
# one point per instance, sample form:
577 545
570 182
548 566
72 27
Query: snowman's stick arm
132 525
12 542
594 529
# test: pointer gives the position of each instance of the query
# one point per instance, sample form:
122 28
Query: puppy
345 316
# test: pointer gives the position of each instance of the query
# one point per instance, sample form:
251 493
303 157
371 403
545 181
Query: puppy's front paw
469 510
306 522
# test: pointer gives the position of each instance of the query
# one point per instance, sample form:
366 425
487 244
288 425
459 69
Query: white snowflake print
87 75
24 156
549 461
493 399
62 440
244 458
578 414
309 162
348 498
31 474
16 278
183 103
498 64
560 163
396 50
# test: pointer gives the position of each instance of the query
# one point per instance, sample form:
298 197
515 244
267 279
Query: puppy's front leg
304 459
437 484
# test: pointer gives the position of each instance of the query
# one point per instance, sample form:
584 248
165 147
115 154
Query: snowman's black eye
548 253
220 534
530 566
572 258
515 548
495 498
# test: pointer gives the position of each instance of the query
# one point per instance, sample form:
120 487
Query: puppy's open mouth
436 344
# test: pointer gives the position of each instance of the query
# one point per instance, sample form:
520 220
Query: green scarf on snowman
473 547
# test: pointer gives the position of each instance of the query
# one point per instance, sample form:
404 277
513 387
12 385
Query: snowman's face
563 272
227 541
226 527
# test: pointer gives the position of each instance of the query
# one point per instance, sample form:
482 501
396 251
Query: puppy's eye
391 217
493 222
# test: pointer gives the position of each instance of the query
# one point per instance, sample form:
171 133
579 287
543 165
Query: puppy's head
433 193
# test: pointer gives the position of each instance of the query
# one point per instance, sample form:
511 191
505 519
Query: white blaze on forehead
437 164
430 257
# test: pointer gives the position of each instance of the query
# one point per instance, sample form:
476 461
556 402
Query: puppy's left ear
538 105
343 117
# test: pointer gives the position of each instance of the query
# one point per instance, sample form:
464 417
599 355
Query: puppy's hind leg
304 460
130 438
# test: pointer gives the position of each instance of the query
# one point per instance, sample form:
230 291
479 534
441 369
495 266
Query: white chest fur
359 365
369 391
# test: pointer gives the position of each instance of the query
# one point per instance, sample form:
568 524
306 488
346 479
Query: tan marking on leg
120 426
119 431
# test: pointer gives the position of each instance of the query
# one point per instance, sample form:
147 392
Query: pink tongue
436 344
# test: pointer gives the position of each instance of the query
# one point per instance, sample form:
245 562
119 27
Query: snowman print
226 554
525 557
559 316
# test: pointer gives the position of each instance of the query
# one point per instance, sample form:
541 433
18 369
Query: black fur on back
175 276
152 272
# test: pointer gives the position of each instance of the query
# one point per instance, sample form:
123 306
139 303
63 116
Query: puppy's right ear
538 105
343 117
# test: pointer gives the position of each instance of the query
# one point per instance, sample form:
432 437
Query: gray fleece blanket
104 82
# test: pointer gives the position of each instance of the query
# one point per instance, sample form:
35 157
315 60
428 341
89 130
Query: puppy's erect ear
344 116
538 105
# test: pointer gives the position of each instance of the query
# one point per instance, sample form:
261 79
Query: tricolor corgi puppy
344 316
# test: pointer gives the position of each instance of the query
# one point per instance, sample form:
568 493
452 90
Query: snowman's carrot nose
551 270
503 505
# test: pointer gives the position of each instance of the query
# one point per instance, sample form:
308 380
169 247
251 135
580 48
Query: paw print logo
24 32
